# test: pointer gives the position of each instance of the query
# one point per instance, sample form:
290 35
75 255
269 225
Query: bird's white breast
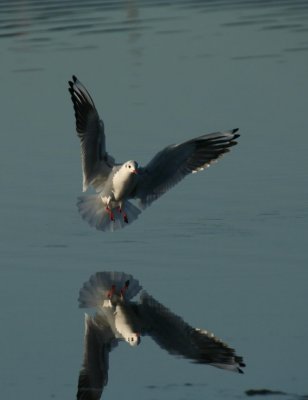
123 182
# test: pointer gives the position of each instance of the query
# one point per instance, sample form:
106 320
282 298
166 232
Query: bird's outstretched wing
173 334
98 342
96 163
173 163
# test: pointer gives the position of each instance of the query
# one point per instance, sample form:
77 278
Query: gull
118 183
118 318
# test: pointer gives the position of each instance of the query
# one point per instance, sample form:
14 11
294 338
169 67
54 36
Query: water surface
226 249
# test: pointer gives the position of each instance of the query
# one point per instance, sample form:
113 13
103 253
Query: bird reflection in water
119 318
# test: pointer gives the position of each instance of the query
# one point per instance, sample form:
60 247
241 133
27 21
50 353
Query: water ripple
37 16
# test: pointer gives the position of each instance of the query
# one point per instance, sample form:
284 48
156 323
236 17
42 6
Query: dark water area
226 249
268 392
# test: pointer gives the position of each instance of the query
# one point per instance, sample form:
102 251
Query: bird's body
122 182
117 184
120 319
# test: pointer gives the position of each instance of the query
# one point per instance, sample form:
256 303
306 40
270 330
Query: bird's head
133 339
131 167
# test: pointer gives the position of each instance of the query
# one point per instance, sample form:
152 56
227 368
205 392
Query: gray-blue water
226 249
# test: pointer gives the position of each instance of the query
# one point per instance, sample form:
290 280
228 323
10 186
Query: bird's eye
129 166
132 339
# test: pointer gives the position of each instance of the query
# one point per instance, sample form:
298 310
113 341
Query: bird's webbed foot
121 211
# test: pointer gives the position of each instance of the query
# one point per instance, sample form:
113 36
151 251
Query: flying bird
118 183
118 318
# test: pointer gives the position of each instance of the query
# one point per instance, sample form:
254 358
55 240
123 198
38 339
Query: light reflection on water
20 19
236 251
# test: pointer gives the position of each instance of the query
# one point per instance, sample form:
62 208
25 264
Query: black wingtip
74 80
240 370
236 135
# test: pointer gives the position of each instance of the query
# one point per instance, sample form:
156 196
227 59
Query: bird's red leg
109 211
124 214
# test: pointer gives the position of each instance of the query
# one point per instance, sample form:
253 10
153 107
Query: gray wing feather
172 164
173 334
90 130
99 341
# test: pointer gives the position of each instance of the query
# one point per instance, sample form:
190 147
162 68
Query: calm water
226 249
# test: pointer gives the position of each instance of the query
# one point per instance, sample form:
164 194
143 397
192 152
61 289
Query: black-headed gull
119 319
116 184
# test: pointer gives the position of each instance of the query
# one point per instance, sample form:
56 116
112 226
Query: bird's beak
135 171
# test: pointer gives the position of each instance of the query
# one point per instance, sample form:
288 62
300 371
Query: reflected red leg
111 292
124 288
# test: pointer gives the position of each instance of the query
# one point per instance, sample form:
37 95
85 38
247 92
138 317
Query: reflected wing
172 164
90 130
99 341
178 338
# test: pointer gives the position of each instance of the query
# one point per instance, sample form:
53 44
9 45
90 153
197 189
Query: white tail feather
94 291
93 210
